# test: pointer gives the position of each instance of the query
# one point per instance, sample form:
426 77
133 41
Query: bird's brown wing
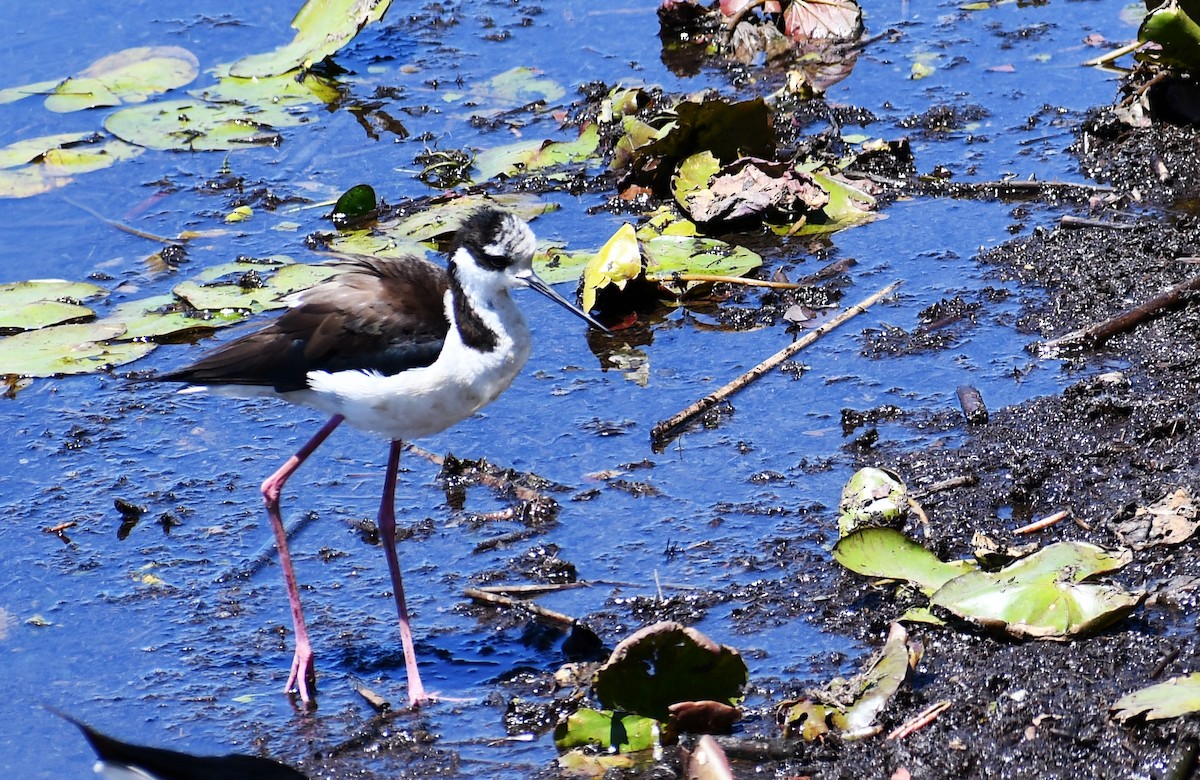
378 314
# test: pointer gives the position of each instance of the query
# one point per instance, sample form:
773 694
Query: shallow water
147 637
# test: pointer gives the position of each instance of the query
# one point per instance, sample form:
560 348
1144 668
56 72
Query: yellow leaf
618 261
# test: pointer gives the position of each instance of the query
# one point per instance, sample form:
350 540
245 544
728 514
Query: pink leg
303 675
387 534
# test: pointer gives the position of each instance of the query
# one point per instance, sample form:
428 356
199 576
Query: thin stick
1045 522
1094 335
920 720
946 484
1115 54
665 430
720 278
121 225
530 590
533 609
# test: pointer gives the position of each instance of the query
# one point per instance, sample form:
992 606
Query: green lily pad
194 125
85 158
129 76
667 663
161 317
37 165
266 97
668 255
1043 596
1175 27
67 349
263 291
1173 698
622 732
322 28
526 156
13 94
355 203
42 302
887 553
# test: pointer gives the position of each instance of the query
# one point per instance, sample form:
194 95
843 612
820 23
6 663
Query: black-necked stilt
118 760
401 348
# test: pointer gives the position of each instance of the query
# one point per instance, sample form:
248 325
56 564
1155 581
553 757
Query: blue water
144 638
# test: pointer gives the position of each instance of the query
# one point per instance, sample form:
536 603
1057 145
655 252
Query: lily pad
195 125
1173 698
67 349
162 317
13 94
1044 596
527 156
261 288
1175 27
39 303
669 255
667 663
129 76
322 27
1170 520
744 189
622 732
886 552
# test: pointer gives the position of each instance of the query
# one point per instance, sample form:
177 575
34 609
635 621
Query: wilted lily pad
1173 698
851 707
744 189
67 349
1043 596
617 263
873 497
667 663
622 732
129 76
39 303
886 552
1170 520
322 27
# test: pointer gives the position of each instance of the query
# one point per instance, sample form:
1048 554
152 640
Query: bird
397 347
118 760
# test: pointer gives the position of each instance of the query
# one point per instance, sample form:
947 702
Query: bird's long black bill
536 283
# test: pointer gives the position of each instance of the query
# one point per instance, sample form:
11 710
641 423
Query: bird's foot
303 677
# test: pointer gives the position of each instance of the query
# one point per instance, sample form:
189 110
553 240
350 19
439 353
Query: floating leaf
266 97
885 552
838 19
526 156
13 94
41 302
667 663
322 27
617 263
129 76
511 89
1175 27
161 316
261 288
622 732
1043 596
194 125
85 158
1173 698
67 349
355 203
668 255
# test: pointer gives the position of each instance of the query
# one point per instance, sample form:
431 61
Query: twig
920 720
533 609
531 590
963 480
1097 334
664 431
1115 54
720 278
1045 522
1068 221
121 225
